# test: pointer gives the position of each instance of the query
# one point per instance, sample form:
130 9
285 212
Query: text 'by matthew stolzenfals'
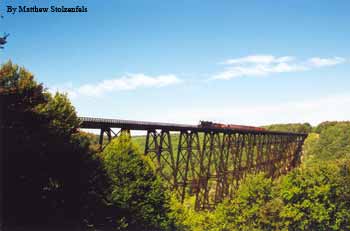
50 9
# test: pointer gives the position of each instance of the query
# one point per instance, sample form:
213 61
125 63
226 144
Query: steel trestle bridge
209 161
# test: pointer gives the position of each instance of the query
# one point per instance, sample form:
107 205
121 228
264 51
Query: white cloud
258 70
125 83
322 62
260 59
262 65
333 107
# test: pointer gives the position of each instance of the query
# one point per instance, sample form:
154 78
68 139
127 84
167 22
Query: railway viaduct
208 162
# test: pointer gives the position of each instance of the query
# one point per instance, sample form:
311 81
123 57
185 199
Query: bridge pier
159 148
209 169
152 144
107 131
222 185
187 159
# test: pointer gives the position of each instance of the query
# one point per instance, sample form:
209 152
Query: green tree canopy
292 127
324 125
312 198
51 174
332 143
138 198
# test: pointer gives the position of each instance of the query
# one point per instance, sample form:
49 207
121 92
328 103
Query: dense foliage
139 200
297 127
314 198
327 124
51 175
332 142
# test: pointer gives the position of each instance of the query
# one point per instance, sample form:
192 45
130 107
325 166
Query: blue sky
241 62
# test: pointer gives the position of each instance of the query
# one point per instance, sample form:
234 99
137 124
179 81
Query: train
210 124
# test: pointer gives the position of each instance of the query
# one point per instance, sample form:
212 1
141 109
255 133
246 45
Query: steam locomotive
210 124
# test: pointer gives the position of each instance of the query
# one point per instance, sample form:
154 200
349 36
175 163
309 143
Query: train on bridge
210 124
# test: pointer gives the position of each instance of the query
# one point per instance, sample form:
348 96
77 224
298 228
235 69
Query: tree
333 142
51 176
138 199
245 210
316 197
324 125
296 127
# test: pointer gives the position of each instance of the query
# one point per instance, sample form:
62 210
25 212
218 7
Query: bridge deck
98 123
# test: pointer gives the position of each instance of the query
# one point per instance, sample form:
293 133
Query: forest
55 177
